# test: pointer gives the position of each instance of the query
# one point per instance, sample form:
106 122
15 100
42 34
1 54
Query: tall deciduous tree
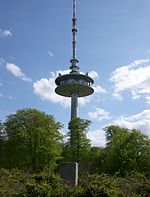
78 145
33 139
126 151
1 144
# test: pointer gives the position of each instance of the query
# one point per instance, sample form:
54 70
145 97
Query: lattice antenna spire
74 29
74 68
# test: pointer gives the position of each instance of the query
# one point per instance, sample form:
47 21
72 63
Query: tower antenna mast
74 29
74 61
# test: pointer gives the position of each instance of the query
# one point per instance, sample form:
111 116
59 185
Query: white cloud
45 88
117 96
134 77
139 121
84 100
99 114
148 100
97 138
6 97
17 72
50 53
11 98
135 94
5 33
93 75
99 89
2 61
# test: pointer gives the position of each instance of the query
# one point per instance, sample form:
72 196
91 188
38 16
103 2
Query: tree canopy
30 140
126 151
77 146
33 140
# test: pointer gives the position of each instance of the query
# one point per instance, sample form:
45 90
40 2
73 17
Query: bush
112 186
44 184
16 183
135 185
12 182
101 185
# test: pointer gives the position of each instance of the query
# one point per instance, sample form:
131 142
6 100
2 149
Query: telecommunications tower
74 84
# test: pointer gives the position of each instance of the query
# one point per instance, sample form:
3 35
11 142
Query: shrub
16 183
101 185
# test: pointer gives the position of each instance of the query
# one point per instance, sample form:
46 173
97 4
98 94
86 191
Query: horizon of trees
31 140
32 148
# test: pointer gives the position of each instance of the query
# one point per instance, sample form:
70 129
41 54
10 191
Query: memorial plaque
69 172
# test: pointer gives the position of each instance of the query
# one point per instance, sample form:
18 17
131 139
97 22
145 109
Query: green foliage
2 144
12 182
112 186
96 160
126 151
32 140
77 148
101 185
134 185
46 184
78 145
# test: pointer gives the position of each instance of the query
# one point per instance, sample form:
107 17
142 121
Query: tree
97 155
78 146
2 144
33 140
126 151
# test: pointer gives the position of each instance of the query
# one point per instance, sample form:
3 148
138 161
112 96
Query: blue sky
113 45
